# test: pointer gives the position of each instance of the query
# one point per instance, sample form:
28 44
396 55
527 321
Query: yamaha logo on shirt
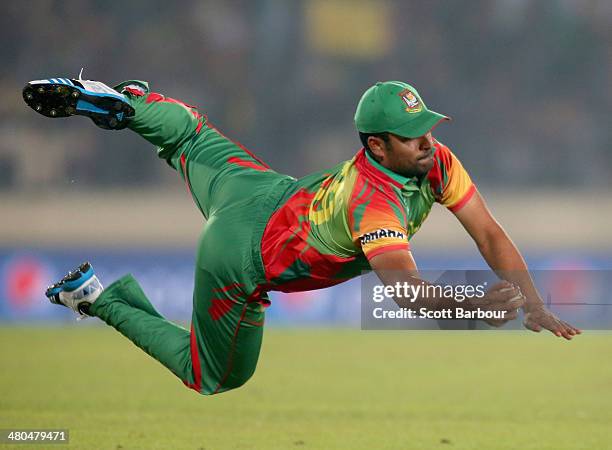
379 234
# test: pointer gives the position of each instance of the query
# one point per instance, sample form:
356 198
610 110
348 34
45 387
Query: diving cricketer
266 231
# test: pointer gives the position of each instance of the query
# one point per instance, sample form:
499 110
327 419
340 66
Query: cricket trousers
236 193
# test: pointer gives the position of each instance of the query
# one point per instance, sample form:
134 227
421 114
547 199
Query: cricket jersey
333 221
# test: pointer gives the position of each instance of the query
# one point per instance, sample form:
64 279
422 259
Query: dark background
526 82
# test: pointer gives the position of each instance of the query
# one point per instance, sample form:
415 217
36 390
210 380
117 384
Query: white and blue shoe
63 97
78 290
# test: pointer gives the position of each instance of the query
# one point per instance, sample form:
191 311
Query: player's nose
426 141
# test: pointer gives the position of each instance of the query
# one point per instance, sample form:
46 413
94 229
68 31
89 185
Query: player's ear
377 147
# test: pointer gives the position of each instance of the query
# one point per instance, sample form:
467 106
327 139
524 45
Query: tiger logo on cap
413 105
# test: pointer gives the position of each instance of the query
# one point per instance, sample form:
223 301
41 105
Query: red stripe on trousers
154 97
245 163
210 125
195 363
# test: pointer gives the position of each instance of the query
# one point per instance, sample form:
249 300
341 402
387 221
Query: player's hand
538 318
503 296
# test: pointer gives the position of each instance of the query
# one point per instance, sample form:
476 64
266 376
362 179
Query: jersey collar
405 181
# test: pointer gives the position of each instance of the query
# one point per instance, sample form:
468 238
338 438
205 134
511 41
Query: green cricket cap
395 107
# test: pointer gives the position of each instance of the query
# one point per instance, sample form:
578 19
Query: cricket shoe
78 290
63 97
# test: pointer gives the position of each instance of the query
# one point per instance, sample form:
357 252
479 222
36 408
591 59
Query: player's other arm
398 266
504 258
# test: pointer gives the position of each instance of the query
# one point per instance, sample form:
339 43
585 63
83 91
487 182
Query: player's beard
419 169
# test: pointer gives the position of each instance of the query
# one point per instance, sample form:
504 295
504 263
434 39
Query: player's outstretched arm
504 258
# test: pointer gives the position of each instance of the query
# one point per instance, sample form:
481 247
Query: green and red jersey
333 221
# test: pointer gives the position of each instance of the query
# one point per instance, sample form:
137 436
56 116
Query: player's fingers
569 329
560 331
565 330
566 334
572 328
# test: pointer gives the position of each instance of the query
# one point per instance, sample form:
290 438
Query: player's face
409 157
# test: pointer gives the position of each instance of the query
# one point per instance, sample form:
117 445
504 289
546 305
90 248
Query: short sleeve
450 182
377 219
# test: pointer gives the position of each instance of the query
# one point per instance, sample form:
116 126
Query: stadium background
527 84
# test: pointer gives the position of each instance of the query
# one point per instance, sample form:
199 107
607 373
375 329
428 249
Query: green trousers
236 193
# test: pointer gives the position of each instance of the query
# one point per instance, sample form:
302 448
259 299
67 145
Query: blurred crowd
526 82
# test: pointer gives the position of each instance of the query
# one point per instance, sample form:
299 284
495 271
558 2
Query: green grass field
318 389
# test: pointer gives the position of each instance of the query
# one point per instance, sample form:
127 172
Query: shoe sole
55 100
